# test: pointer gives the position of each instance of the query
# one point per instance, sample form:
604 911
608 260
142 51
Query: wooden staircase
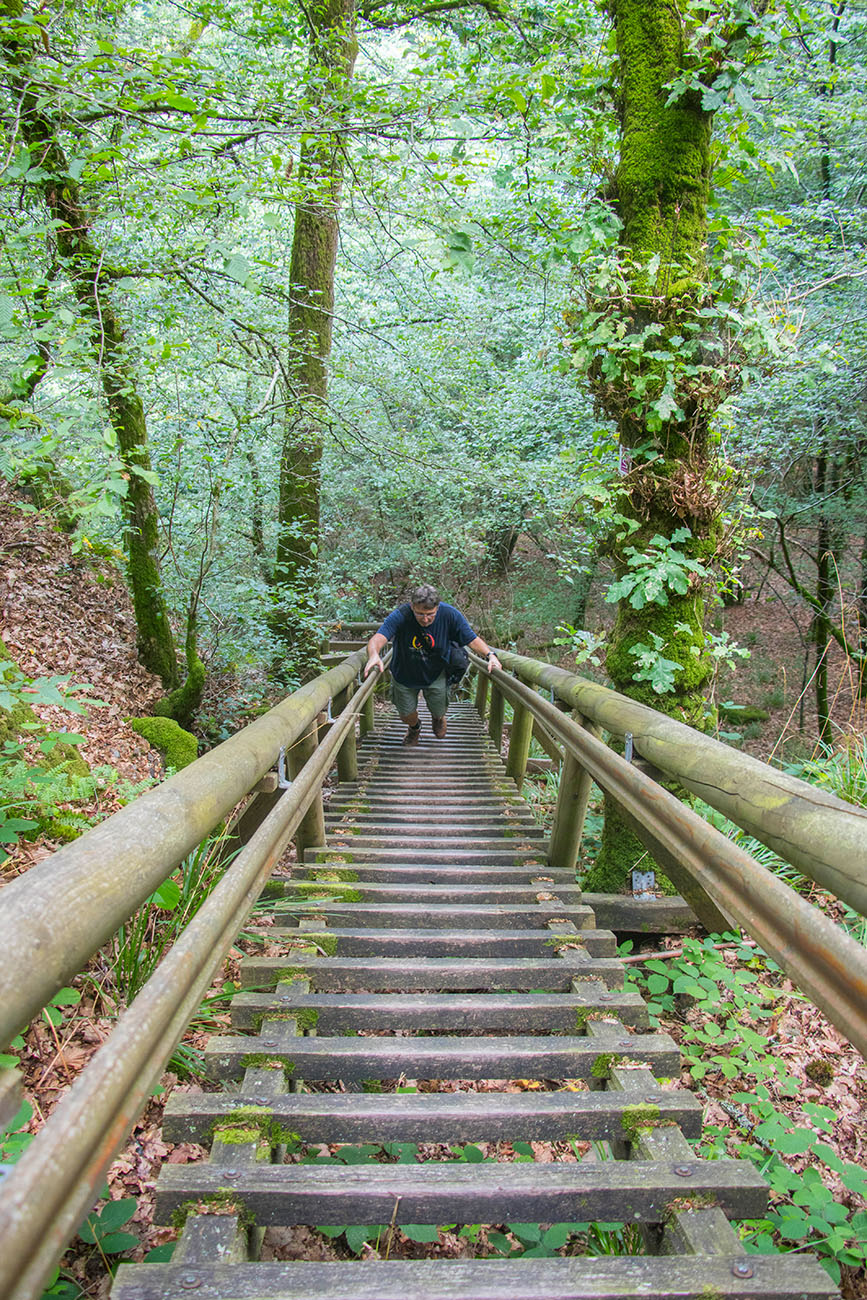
429 943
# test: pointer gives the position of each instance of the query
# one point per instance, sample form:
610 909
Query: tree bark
661 197
91 281
333 49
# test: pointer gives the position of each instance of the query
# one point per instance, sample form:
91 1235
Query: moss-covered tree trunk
665 490
91 280
333 49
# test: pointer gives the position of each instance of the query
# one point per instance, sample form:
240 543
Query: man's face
424 617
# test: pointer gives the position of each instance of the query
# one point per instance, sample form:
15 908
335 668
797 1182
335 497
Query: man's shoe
439 728
411 737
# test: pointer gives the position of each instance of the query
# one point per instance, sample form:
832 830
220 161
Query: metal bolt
684 1171
189 1281
742 1268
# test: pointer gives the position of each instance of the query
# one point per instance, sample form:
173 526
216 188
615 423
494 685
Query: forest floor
68 615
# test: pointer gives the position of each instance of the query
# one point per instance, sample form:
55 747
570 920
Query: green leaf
558 1234
66 998
182 103
527 1233
357 1237
855 1179
160 1254
471 1155
167 896
115 1243
796 1142
115 1213
238 268
421 1232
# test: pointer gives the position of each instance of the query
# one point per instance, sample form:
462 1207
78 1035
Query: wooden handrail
821 835
55 916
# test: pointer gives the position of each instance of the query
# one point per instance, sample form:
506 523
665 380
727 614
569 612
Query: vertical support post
519 743
575 783
347 755
495 717
366 717
483 684
312 828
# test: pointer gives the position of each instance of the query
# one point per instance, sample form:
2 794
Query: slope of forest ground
65 614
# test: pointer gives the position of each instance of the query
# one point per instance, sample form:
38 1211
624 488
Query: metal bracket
282 782
628 748
643 882
328 714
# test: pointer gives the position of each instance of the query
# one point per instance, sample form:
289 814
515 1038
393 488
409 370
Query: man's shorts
405 698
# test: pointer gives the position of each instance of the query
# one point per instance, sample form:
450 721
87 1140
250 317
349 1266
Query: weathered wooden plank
374 801
515 1057
420 837
335 1013
627 915
431 819
457 855
423 894
346 974
435 873
617 1191
409 942
445 916
735 1277
445 1117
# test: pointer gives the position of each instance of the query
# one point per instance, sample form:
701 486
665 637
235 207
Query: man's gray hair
425 596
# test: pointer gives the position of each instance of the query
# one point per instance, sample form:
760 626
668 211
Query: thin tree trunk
824 596
333 49
91 283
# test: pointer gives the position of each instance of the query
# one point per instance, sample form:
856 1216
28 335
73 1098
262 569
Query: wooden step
278 1195
460 915
437 873
452 1057
457 856
337 1013
423 894
690 1277
432 1117
345 974
351 941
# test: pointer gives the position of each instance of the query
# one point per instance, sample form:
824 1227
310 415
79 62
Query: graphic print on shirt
423 643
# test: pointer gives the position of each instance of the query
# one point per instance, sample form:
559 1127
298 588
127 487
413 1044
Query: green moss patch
179 748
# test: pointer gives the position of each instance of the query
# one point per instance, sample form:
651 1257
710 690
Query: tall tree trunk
91 282
333 49
661 198
824 596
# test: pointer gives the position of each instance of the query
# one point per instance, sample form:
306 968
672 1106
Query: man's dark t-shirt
421 653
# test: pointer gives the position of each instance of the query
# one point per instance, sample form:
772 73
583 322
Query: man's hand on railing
375 661
493 662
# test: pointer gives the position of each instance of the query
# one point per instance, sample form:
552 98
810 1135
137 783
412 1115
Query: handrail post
482 687
347 754
572 801
311 830
366 716
519 743
495 717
